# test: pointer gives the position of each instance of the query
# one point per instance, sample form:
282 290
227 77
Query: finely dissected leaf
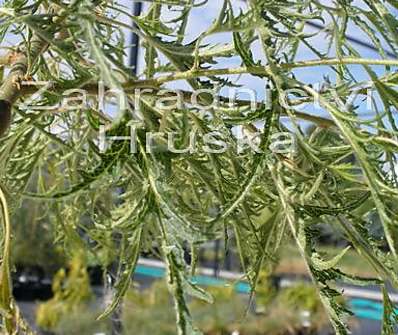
129 259
317 211
115 198
243 50
322 265
177 281
390 316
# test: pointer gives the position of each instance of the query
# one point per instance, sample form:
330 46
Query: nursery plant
147 311
71 290
170 158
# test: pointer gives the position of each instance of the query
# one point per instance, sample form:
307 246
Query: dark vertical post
216 268
110 278
137 9
116 318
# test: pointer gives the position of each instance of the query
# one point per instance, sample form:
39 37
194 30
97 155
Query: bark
11 89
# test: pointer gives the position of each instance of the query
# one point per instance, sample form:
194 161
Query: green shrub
71 289
82 321
301 296
149 312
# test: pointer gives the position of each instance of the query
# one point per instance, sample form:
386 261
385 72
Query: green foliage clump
82 320
32 228
265 292
149 312
302 296
226 314
71 289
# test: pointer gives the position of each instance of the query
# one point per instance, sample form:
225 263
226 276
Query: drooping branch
259 70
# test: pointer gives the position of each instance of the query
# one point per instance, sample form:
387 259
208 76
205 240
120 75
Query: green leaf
322 265
128 260
390 316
